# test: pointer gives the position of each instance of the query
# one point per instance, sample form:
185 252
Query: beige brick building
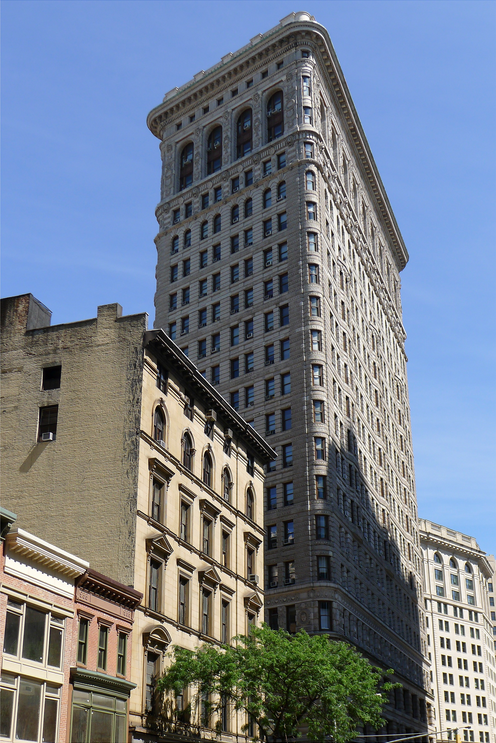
278 273
113 441
458 589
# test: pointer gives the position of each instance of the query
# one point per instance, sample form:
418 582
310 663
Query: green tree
287 684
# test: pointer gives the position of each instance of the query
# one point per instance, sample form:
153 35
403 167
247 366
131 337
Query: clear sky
81 176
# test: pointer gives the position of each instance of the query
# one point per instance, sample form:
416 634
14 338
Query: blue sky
81 177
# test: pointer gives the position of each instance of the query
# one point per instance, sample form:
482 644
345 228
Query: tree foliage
288 684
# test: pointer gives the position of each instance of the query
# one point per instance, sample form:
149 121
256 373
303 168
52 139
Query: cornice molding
22 543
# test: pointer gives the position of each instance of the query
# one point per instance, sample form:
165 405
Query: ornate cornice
109 589
23 543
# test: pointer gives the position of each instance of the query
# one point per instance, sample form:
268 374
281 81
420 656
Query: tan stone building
114 442
458 580
278 273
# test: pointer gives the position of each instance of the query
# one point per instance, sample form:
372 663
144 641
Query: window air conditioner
289 541
215 350
269 362
268 262
229 433
47 436
211 415
268 233
202 325
281 198
161 443
249 335
234 312
288 581
253 578
184 332
235 188
235 219
269 433
273 584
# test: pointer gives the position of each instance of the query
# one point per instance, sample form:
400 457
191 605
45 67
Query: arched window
187 239
281 191
334 141
207 469
226 484
214 151
248 208
244 133
453 563
437 558
267 198
188 451
275 117
217 223
186 166
158 425
250 503
235 214
468 567
204 230
310 180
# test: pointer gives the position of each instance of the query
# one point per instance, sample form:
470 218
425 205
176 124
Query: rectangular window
286 419
320 487
284 316
51 378
122 653
286 383
289 532
325 615
273 619
289 573
83 640
225 632
282 221
183 601
249 362
285 349
287 455
288 493
248 298
103 647
47 428
321 527
271 497
249 396
184 526
33 635
323 567
281 160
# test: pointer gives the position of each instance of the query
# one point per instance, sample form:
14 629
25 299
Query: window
311 210
202 317
249 362
235 335
176 216
235 273
320 487
307 115
183 613
281 191
203 262
47 427
158 426
206 536
207 470
172 330
283 283
103 634
186 167
248 238
249 178
286 383
185 296
308 149
204 230
188 209
285 349
33 635
269 355
216 312
188 451
248 208
289 573
268 289
214 151
284 315
234 304
157 500
270 424
51 378
271 493
204 201
184 325
318 411
226 484
267 198
82 640
235 400
187 267
321 527
217 224
206 611
33 706
316 337
267 167
216 282
122 653
286 419
225 632
287 455
291 619
215 375
250 562
244 133
269 388
289 532
312 244
438 574
317 375
275 116
249 396
282 221
281 160
217 194
325 615
248 298
323 567
269 321
202 348
187 239
288 493
313 273
306 84
310 181
248 267
250 504
172 302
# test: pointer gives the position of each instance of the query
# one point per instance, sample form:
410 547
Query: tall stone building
278 273
113 442
459 594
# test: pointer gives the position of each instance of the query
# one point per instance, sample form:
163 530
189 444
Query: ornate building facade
458 591
278 274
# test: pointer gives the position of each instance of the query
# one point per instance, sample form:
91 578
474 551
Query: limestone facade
458 580
278 273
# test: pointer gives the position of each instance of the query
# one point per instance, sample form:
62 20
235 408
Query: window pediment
207 506
253 602
159 546
158 468
251 539
209 577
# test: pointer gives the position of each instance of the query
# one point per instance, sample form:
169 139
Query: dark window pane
28 710
50 721
6 707
79 725
11 639
101 727
34 635
55 647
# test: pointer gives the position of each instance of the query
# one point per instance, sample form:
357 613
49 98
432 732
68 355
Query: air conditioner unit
235 219
184 332
269 433
253 578
47 436
268 263
281 198
215 350
202 355
202 325
160 443
250 404
269 362
269 397
269 295
288 581
268 233
249 335
211 415
248 243
273 584
289 541
235 188
234 312
229 433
